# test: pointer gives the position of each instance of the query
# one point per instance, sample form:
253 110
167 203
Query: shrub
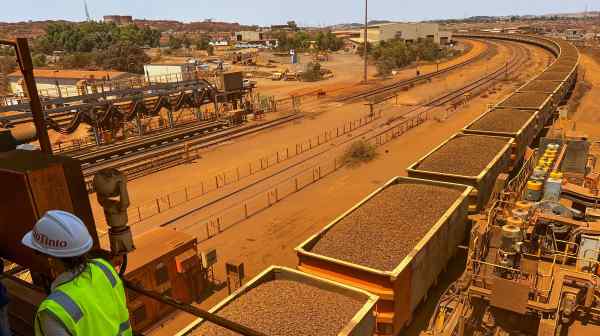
360 151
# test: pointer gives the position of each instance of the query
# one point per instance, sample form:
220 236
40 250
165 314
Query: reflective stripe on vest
67 304
123 327
107 272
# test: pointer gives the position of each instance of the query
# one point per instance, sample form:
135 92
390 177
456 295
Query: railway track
110 153
266 183
151 156
385 91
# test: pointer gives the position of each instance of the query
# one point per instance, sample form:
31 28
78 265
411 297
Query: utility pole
365 42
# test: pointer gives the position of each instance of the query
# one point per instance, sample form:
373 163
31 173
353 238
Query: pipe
24 133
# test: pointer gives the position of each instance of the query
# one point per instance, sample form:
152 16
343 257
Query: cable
233 326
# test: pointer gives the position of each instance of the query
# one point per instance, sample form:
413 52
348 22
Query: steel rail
143 142
405 83
194 143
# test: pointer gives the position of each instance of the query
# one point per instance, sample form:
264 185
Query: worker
88 298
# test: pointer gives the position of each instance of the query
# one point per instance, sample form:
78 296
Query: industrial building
119 20
166 72
248 36
63 83
409 32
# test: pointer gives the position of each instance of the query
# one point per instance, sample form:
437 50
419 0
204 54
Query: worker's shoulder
104 264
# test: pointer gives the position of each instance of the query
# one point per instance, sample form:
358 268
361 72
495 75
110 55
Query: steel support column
26 65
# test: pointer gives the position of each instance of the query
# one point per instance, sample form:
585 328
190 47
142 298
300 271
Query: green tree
91 36
328 41
186 42
39 60
388 55
385 65
8 64
174 42
123 57
312 72
78 60
202 43
361 48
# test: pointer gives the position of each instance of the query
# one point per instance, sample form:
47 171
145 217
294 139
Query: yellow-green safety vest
92 303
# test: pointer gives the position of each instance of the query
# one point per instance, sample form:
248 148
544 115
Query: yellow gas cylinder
548 157
534 191
539 173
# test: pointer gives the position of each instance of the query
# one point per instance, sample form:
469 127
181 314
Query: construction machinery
533 263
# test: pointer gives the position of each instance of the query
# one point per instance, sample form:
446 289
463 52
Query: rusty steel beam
26 66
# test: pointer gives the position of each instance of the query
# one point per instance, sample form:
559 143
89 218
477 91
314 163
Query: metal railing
102 85
162 203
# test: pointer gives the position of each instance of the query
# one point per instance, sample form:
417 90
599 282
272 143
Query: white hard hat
59 234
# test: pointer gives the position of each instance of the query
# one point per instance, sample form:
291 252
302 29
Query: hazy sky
265 12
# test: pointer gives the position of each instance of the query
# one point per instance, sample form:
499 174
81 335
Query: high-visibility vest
92 303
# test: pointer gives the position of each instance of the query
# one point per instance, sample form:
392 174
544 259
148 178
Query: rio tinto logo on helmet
42 239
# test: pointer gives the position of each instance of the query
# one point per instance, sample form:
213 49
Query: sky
266 12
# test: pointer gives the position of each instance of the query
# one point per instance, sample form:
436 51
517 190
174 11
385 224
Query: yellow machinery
533 263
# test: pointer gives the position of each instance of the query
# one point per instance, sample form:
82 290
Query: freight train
392 246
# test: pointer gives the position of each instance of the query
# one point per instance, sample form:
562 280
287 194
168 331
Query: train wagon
561 67
568 60
532 101
473 160
284 302
394 244
557 89
522 125
569 78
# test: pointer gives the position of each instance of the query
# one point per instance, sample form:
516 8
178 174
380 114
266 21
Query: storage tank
474 160
394 244
284 302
